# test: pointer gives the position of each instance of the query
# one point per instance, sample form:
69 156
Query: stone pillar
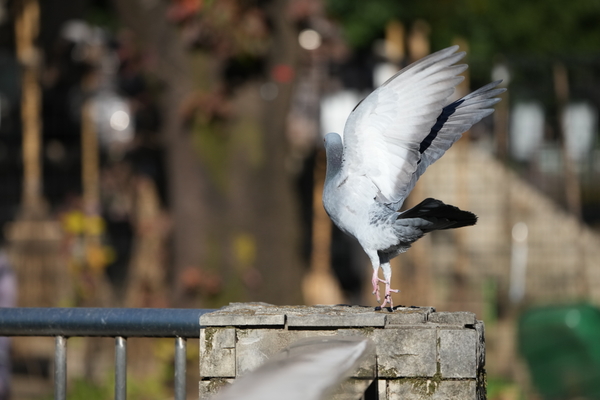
420 353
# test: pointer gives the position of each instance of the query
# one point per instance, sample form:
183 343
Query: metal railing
120 323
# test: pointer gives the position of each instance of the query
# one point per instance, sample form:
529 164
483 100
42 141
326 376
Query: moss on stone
424 386
387 372
209 333
367 330
215 384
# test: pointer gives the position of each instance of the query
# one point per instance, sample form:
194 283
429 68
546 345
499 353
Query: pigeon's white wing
384 132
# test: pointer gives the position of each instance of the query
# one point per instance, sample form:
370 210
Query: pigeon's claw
388 297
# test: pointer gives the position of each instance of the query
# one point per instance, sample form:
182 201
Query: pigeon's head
332 141
334 149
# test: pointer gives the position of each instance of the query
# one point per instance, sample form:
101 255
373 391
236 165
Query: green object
561 345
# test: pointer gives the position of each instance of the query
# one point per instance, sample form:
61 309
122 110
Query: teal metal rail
120 323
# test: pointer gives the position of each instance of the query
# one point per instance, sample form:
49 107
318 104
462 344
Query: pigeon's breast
351 205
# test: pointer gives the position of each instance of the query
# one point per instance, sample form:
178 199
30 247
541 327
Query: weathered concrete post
421 353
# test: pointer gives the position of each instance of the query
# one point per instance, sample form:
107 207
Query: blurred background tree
232 201
537 27
210 161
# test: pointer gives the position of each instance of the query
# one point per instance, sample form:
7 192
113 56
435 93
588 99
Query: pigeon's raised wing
383 134
455 119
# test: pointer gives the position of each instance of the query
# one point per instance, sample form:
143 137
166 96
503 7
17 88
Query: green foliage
538 27
83 390
490 299
546 27
80 389
498 388
146 389
102 16
364 21
533 33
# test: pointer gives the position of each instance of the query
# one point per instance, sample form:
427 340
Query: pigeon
389 140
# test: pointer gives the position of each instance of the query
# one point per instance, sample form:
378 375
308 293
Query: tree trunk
234 212
185 174
276 212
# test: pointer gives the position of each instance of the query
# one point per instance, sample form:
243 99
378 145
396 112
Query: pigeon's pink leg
375 281
374 257
387 274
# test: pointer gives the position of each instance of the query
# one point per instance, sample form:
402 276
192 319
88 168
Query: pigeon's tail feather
440 215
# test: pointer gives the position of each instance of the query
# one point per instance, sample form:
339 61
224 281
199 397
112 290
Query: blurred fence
119 323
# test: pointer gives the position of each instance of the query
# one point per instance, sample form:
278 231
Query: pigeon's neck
335 153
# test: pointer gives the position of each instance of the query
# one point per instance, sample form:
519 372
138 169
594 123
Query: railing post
118 323
60 368
120 368
180 368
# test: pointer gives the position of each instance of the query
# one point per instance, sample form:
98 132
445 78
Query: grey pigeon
390 139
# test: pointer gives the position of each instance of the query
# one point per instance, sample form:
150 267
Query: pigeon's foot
375 281
388 295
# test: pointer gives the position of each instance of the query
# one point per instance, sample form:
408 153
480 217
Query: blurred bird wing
307 370
383 134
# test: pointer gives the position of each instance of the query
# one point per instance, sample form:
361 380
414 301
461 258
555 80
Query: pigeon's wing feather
455 119
383 135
